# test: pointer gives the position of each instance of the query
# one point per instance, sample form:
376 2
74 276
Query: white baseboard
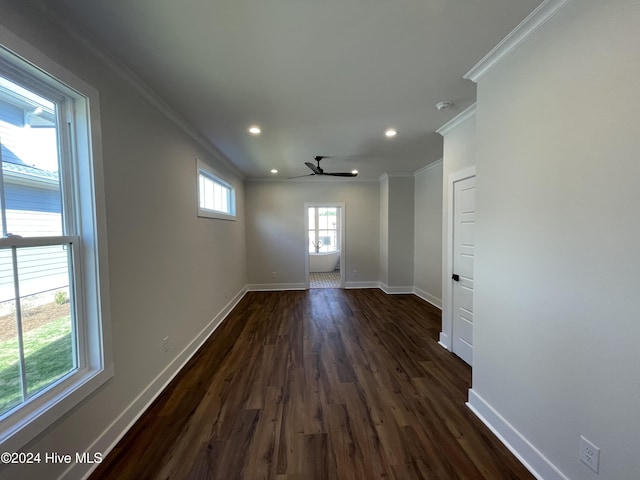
427 297
444 341
529 456
274 287
348 285
396 290
121 425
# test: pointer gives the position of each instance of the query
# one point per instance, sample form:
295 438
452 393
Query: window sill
215 215
31 419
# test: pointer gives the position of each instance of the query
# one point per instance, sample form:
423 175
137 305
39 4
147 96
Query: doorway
325 259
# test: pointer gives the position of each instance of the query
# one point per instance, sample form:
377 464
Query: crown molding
518 35
428 168
386 176
467 113
134 81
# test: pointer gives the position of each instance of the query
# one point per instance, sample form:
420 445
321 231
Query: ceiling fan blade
300 176
313 168
342 174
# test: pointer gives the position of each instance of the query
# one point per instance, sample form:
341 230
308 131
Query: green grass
48 356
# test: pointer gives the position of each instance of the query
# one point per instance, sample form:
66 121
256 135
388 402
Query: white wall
171 273
556 331
428 233
276 237
459 154
384 230
400 233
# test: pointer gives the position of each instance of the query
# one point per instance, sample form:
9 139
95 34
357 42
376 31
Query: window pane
29 138
214 195
207 193
312 241
10 385
201 191
322 218
312 218
224 200
217 193
211 194
47 325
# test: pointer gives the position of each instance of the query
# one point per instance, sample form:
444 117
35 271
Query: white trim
275 287
343 213
518 35
388 175
427 297
446 336
444 341
355 285
396 290
457 120
539 466
428 168
17 241
130 415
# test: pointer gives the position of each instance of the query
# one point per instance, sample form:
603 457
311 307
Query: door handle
455 277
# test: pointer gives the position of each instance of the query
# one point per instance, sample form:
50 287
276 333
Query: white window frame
85 175
204 170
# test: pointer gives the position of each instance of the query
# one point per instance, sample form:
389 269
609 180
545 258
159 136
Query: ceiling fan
317 170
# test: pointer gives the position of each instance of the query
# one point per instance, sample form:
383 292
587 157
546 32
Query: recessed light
254 130
355 172
391 132
274 171
444 105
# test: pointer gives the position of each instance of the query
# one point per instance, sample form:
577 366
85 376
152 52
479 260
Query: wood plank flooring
317 384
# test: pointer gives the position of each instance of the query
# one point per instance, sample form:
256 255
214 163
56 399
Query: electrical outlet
355 274
589 454
273 275
165 344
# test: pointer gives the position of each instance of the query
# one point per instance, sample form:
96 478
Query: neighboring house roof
22 173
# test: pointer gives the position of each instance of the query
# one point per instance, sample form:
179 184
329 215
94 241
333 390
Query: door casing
446 335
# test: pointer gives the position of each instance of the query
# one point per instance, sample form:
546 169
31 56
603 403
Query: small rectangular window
216 197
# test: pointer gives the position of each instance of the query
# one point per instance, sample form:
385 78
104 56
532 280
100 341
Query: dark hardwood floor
318 384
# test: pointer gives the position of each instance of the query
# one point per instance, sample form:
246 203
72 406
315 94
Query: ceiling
320 77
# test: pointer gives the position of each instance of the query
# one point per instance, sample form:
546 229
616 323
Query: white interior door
464 211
